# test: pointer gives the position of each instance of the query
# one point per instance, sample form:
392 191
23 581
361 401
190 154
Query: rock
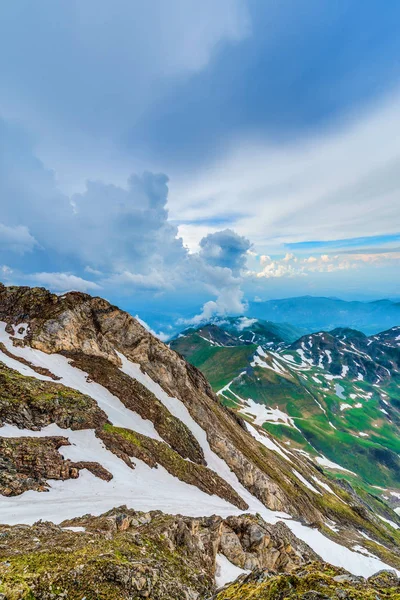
27 463
385 577
348 578
122 522
314 581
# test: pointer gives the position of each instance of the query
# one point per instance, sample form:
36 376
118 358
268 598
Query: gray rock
349 578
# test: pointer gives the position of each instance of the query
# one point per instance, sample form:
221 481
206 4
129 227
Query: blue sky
181 158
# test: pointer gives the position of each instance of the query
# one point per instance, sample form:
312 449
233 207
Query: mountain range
333 395
126 472
319 313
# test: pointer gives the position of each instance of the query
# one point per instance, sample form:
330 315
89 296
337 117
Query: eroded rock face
250 543
125 554
27 463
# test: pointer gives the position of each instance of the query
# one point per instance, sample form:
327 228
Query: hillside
123 475
334 396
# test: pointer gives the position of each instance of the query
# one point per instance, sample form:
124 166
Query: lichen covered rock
315 581
126 555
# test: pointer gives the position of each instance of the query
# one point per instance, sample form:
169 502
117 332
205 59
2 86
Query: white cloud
228 302
63 282
160 335
324 263
342 182
245 322
152 281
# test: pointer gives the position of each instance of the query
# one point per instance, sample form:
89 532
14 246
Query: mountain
123 475
332 395
318 313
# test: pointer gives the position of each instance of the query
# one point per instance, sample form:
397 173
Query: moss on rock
316 581
31 404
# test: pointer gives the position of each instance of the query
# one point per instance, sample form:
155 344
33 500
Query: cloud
16 239
160 335
225 249
110 237
293 266
329 185
228 302
284 267
92 70
245 322
62 282
106 229
150 282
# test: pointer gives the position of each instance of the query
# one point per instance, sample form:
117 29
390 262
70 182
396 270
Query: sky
184 158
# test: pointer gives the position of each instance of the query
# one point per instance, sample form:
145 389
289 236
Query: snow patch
225 571
325 462
389 522
305 482
266 441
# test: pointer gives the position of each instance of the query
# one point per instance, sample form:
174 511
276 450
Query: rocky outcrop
32 404
27 463
126 554
315 581
250 543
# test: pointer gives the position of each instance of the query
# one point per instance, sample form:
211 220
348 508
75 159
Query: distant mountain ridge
319 313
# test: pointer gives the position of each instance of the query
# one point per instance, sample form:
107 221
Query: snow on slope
214 462
139 488
72 377
329 551
226 571
340 556
142 488
266 441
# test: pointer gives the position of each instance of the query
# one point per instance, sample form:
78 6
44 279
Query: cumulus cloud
225 249
221 259
106 229
228 302
294 266
110 237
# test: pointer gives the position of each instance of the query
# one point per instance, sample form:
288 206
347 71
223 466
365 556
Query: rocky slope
316 581
126 554
100 413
